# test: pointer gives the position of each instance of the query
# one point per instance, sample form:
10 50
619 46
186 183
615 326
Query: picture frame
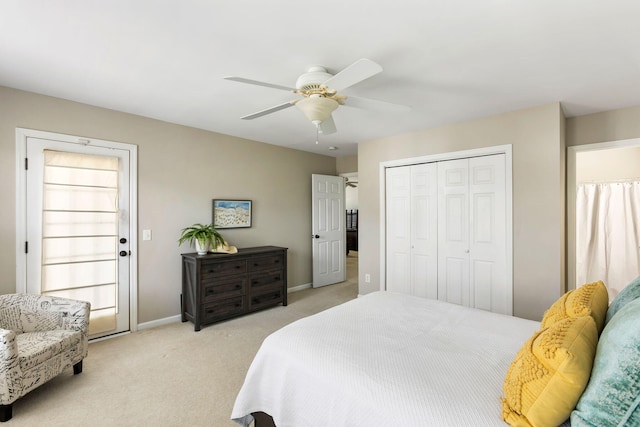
229 213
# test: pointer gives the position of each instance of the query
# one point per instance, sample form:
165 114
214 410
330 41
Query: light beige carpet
170 375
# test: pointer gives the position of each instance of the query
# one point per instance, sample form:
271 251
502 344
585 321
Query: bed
385 359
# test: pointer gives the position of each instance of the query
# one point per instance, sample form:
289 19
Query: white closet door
398 215
412 244
487 240
472 240
424 230
447 231
453 231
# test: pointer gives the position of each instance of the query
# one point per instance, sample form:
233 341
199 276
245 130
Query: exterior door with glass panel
77 220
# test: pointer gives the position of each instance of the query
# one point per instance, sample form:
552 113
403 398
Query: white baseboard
178 317
160 322
299 288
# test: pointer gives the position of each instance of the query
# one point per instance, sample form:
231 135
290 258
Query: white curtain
608 234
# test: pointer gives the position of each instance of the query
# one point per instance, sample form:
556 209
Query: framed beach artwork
231 213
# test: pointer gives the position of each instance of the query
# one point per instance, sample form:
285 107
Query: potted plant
203 237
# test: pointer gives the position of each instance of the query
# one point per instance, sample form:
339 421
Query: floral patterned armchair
40 336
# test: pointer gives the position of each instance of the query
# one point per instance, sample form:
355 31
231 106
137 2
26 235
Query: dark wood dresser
220 286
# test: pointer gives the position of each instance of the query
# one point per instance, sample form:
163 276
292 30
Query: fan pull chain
317 132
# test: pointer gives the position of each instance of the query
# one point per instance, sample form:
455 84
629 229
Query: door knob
123 240
315 236
123 253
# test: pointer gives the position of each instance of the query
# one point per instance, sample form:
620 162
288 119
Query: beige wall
608 165
537 138
172 192
180 169
614 125
347 164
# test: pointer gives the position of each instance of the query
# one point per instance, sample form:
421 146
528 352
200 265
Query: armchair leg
6 412
77 368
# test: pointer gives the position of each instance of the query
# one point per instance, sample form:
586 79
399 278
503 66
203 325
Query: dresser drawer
216 269
217 289
223 308
265 263
265 281
265 299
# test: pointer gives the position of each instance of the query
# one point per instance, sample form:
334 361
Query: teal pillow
612 396
626 295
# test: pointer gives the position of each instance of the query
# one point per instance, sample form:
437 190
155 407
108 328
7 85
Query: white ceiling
450 60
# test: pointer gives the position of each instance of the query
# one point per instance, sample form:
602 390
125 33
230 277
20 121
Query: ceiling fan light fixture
317 108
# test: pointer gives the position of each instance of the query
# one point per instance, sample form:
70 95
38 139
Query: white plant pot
202 250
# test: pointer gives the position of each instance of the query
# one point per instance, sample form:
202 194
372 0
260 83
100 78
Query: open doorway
603 206
351 207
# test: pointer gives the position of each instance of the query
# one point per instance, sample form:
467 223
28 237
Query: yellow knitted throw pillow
591 299
550 372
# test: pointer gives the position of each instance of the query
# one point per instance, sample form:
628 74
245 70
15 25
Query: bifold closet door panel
446 231
472 233
453 231
411 212
424 230
398 224
487 237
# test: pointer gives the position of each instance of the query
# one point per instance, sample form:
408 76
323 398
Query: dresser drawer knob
238 286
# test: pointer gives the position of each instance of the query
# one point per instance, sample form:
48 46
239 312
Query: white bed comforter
385 359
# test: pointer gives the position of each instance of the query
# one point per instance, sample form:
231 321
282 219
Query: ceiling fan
349 183
321 93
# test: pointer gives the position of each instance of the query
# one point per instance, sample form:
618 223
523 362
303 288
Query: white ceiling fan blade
259 83
360 70
268 110
327 126
375 105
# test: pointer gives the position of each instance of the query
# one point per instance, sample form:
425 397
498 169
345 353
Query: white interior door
490 289
453 231
424 230
328 230
79 227
398 216
447 230
412 245
472 247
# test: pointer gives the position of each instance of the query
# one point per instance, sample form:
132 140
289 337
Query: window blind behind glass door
80 232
